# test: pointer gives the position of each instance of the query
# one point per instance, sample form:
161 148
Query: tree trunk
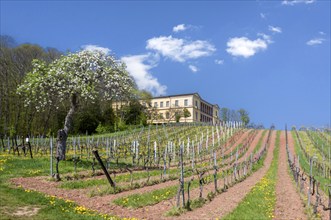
62 134
61 144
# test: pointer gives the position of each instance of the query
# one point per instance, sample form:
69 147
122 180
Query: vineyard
174 171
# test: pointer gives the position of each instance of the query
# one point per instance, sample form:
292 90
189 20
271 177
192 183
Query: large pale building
165 108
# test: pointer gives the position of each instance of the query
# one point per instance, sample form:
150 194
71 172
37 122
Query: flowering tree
83 75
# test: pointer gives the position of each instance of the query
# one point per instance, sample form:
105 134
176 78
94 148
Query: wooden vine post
182 175
51 156
188 194
201 182
310 180
131 175
329 206
96 154
215 172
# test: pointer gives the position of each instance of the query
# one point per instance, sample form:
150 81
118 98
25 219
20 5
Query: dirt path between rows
288 202
324 214
229 149
228 201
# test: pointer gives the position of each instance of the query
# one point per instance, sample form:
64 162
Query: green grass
50 207
139 200
259 144
105 190
321 142
12 199
260 162
304 164
121 178
259 203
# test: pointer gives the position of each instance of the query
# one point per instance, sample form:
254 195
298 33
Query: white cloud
219 62
321 33
242 46
315 41
275 29
91 47
180 50
184 27
180 27
139 66
193 68
263 16
265 37
294 2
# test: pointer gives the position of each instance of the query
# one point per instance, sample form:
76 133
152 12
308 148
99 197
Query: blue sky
271 58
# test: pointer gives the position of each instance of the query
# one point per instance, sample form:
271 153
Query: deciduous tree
83 75
244 117
186 113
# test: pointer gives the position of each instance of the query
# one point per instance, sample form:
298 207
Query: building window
167 104
161 104
196 104
155 104
176 103
161 115
167 115
196 116
185 102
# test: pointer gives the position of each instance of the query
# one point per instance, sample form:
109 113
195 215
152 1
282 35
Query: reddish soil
240 141
254 143
287 197
229 148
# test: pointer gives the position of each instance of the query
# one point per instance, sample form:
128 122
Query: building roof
169 96
185 94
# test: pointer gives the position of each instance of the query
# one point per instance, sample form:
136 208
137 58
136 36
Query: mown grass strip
259 144
304 164
145 199
139 200
260 202
105 190
324 145
125 177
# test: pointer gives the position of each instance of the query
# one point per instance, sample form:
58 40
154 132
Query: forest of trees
18 119
227 114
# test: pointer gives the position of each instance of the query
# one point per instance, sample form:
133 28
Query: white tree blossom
86 74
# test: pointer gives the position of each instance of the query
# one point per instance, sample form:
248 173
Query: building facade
164 109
